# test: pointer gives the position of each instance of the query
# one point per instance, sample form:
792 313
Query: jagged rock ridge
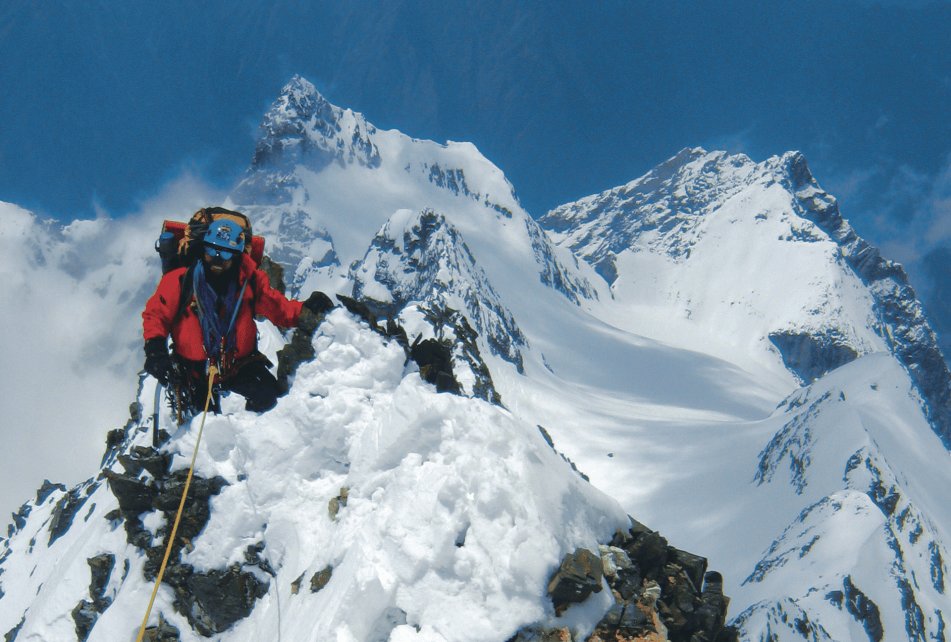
423 259
909 335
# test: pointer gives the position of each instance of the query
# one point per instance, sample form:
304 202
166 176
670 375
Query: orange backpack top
180 243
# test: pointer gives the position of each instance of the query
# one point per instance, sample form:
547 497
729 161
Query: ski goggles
215 252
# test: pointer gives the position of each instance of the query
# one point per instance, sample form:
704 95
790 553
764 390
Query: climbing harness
212 371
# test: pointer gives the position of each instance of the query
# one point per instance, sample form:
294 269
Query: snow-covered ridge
862 493
435 513
909 335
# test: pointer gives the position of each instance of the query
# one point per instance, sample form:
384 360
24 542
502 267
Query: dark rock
101 569
131 465
712 612
360 309
217 599
114 439
63 513
299 350
134 495
252 557
11 635
636 617
164 632
19 519
680 601
694 566
135 533
649 550
275 273
435 364
629 582
397 333
319 580
612 619
155 462
578 576
46 489
864 610
85 616
196 511
811 356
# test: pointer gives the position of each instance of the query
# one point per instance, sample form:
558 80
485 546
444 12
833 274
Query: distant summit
757 251
302 123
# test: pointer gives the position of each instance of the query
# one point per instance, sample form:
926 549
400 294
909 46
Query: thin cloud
735 143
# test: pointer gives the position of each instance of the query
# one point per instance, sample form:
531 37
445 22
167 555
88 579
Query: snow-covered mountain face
332 194
756 257
710 345
324 182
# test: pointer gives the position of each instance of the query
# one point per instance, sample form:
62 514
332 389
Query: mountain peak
798 169
301 122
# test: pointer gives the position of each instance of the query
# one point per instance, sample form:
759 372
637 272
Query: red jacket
158 320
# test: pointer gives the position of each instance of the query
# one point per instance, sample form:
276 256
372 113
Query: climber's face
218 260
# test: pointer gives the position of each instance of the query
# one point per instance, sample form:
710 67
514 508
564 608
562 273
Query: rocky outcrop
87 612
660 592
811 355
211 601
438 358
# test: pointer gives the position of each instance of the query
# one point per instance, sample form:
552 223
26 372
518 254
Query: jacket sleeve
160 310
272 304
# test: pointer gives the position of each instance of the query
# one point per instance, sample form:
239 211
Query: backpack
180 244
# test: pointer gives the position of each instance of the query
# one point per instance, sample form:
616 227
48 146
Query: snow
457 512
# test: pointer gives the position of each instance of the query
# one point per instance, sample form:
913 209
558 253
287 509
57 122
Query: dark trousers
253 381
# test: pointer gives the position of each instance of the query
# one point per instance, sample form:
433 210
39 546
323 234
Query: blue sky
105 102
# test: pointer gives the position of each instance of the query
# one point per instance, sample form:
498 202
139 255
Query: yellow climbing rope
188 480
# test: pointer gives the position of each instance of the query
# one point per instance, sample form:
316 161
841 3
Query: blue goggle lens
215 252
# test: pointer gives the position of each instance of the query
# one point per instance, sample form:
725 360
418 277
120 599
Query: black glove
158 363
319 303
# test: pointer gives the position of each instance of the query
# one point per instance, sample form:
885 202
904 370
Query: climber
209 309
